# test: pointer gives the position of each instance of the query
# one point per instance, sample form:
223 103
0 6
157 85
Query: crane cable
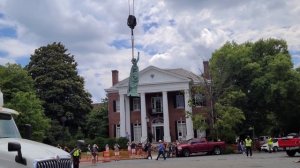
131 22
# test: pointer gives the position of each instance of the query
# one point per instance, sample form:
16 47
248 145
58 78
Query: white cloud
180 34
14 48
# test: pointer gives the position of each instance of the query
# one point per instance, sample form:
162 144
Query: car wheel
217 151
275 148
291 153
186 153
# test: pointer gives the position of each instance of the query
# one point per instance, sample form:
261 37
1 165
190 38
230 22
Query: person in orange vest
248 144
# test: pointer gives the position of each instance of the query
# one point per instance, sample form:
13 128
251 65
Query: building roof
178 72
187 74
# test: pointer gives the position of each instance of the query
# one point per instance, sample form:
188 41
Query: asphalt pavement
258 160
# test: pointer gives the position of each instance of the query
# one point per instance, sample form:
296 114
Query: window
137 132
199 99
181 130
201 134
156 104
136 104
118 131
116 105
179 101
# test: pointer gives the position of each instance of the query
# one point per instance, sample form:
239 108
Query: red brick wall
174 113
113 117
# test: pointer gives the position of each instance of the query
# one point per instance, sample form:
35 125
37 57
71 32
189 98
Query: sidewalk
123 156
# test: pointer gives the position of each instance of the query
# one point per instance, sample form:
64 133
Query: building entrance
158 132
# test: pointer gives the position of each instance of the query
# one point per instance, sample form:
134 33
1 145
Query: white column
122 116
189 122
127 116
167 137
143 117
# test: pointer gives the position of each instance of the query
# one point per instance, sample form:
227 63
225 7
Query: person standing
107 148
161 150
117 151
75 153
248 143
270 144
129 148
133 149
148 150
94 154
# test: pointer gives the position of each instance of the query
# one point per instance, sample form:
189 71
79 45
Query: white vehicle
16 152
265 146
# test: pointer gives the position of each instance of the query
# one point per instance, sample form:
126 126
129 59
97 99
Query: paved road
259 160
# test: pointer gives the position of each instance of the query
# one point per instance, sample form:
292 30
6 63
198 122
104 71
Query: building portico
160 111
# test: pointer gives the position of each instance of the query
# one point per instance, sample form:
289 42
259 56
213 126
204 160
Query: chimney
206 74
115 77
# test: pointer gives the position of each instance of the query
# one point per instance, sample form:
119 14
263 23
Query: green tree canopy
263 75
19 94
97 122
59 86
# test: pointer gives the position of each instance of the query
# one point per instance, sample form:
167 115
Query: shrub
122 141
229 149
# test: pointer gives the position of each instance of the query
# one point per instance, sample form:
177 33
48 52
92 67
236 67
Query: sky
169 33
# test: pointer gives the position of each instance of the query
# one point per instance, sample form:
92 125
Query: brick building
160 110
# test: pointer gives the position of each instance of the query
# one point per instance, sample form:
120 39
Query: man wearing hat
161 150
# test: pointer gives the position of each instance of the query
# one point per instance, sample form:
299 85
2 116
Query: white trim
122 116
143 118
189 122
167 137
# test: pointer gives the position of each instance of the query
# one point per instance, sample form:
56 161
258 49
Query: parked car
276 148
291 144
200 145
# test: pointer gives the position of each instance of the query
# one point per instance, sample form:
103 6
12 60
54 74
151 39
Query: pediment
154 75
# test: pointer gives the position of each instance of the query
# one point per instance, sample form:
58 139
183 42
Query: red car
291 144
200 145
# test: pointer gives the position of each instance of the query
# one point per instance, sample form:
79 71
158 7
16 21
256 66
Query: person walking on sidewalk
161 150
148 150
248 142
94 151
117 151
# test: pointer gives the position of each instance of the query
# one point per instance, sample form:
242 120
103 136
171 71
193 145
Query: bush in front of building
122 141
101 142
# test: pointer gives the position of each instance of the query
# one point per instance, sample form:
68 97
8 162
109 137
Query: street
264 160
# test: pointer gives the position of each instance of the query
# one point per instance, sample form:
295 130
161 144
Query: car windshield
8 128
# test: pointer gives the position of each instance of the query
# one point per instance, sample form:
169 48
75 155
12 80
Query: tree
31 112
14 79
19 94
59 86
97 121
262 74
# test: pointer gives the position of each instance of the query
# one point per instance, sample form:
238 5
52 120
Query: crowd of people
135 150
163 149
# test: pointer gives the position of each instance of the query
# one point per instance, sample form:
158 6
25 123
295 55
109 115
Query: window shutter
115 129
176 131
131 103
132 133
174 101
114 106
